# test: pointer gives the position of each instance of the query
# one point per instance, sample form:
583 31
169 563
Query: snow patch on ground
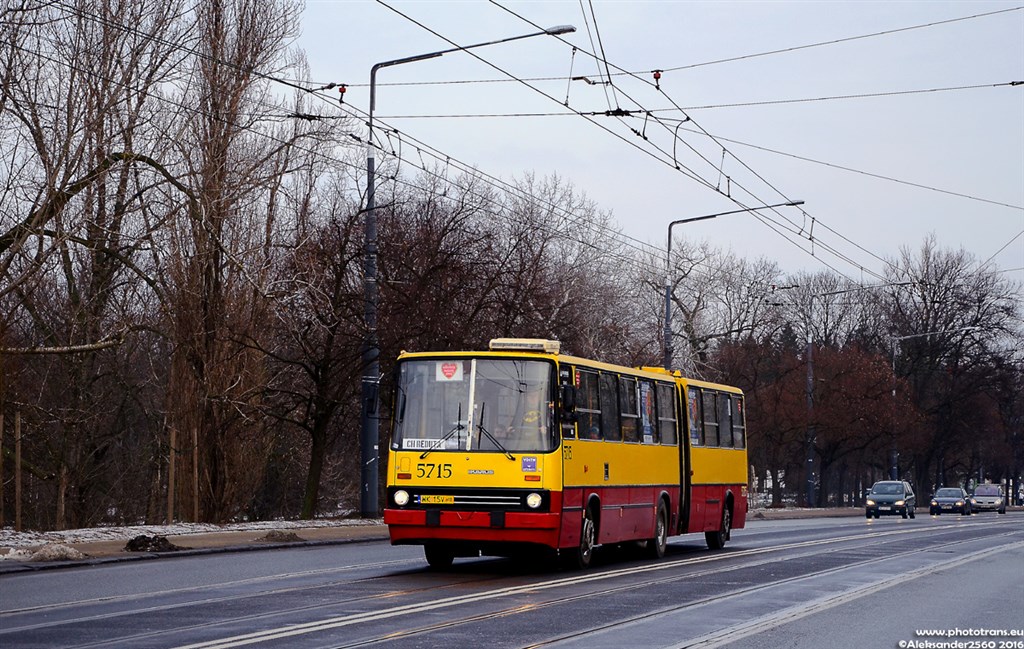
48 552
18 544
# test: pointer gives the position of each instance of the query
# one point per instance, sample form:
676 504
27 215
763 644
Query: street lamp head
559 29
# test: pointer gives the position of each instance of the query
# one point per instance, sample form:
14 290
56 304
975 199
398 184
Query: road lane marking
793 613
407 609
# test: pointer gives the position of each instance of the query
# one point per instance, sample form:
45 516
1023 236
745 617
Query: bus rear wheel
655 547
438 557
716 540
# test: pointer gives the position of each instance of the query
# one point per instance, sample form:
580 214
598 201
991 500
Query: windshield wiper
491 437
439 443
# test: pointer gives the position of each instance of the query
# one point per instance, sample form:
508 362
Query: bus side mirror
400 397
569 403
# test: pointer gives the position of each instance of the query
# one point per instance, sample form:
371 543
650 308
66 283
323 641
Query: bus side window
725 420
667 413
710 418
568 386
630 415
588 409
648 414
696 403
610 408
739 427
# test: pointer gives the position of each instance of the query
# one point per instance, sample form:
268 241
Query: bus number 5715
433 470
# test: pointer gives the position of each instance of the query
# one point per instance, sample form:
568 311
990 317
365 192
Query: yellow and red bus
521 447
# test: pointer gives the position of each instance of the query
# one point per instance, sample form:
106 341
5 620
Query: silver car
988 497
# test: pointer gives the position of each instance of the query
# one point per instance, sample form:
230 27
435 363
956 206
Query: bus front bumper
416 526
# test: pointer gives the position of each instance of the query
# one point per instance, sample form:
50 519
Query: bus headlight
533 500
401 497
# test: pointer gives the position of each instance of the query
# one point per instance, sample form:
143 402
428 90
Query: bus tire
716 540
438 556
580 557
655 547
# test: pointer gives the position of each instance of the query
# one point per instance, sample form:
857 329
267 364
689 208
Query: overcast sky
948 162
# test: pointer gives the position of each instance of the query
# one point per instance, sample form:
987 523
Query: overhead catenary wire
1004 247
734 141
487 62
866 173
607 73
812 241
745 104
664 160
621 137
763 218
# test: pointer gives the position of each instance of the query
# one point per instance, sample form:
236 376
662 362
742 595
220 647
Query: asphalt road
827 582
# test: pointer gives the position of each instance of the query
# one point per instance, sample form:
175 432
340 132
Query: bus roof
544 349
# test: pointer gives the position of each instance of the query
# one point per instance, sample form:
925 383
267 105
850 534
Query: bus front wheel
580 557
439 557
716 540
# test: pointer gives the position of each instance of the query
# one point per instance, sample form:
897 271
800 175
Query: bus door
693 504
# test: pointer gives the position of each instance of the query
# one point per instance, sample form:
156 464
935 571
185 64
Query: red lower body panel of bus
706 505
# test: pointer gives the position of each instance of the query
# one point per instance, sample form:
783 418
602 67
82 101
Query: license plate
884 509
437 500
947 507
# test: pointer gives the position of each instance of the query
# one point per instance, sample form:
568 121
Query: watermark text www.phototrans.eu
965 639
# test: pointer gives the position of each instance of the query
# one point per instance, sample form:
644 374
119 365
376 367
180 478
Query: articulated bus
521 448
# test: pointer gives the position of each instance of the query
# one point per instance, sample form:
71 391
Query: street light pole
667 345
369 429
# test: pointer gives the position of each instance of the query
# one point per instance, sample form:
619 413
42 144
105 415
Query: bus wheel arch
594 509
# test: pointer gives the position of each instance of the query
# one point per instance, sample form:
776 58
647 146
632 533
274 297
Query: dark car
988 497
950 499
891 497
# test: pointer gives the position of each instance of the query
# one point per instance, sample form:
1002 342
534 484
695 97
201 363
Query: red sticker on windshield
449 371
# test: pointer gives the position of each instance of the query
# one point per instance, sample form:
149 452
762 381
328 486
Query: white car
988 497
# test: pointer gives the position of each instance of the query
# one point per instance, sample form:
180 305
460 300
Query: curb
10 567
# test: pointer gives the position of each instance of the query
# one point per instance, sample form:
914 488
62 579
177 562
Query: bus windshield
502 405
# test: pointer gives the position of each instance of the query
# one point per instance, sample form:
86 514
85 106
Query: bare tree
718 297
951 323
76 111
218 263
